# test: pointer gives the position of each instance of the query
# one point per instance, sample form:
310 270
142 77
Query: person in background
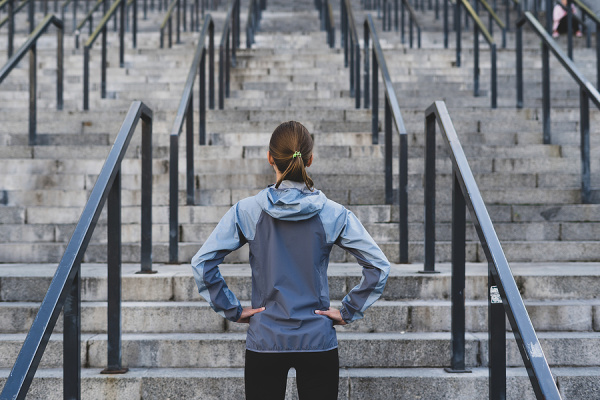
560 19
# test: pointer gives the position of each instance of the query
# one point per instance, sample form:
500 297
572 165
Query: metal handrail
478 26
351 45
168 23
493 17
413 21
255 10
587 92
504 299
392 113
30 46
185 112
101 28
65 289
230 41
10 18
89 17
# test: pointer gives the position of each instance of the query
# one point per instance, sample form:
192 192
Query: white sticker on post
495 295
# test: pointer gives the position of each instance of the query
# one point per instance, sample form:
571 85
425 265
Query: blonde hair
291 148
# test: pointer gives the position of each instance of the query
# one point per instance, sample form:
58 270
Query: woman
291 229
560 19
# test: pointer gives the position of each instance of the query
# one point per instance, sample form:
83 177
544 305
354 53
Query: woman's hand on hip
248 312
334 314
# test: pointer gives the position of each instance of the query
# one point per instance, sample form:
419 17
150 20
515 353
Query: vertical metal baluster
357 75
221 77
402 24
352 44
59 67
367 90
446 28
146 216
211 66
494 82
569 29
32 95
103 62
396 16
458 31
189 147
375 99
410 30
173 199
228 48
202 98
458 277
475 60
597 55
122 34
584 118
178 36
519 66
135 11
11 27
546 93
389 190
429 264
185 16
72 339
114 279
86 77
403 198
496 340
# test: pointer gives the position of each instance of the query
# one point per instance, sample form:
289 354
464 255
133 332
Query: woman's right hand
334 314
248 312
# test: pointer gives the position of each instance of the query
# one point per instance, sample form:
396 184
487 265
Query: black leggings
317 374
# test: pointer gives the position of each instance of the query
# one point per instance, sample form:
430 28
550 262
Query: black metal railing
185 112
392 115
168 24
30 46
88 18
101 29
64 291
478 26
63 10
492 17
327 20
255 10
587 92
586 11
230 41
400 20
351 45
10 19
504 299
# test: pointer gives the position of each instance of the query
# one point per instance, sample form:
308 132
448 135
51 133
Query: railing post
570 29
72 339
396 26
519 65
546 93
375 99
211 66
597 55
122 34
429 264
146 217
135 11
173 199
103 62
457 295
11 27
189 147
86 78
446 28
549 4
352 65
184 18
494 82
32 95
221 77
403 198
345 34
584 122
114 279
402 23
202 98
228 60
367 100
178 22
389 190
343 22
475 60
458 30
410 30
59 67
496 340
357 76
31 16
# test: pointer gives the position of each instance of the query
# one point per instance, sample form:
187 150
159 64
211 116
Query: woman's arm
224 239
355 239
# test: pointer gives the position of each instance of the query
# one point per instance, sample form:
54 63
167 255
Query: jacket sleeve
224 239
355 239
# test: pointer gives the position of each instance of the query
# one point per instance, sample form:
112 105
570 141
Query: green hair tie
296 154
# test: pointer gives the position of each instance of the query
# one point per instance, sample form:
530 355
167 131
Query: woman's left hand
334 314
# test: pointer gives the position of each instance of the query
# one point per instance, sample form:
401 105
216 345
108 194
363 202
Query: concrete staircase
174 344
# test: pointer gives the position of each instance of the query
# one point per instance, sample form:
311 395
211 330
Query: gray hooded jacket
291 232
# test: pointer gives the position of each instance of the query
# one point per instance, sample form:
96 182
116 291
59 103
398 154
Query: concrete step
357 350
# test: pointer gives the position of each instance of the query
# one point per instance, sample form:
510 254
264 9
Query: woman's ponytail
291 148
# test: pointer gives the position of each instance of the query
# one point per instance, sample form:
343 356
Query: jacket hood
291 202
